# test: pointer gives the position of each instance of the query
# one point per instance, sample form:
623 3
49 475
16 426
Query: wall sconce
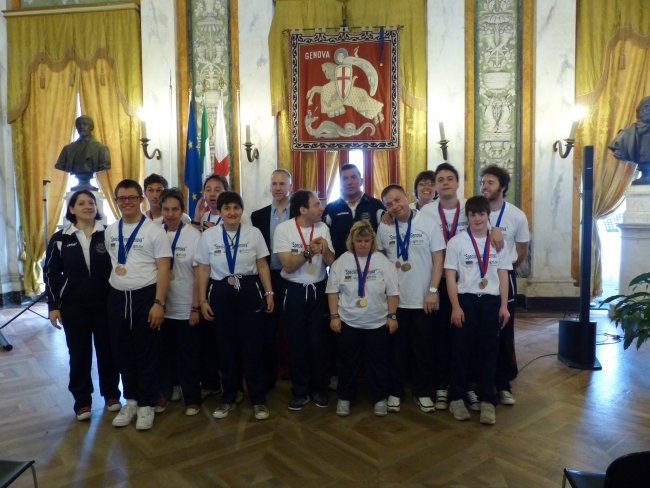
443 142
251 154
143 115
577 113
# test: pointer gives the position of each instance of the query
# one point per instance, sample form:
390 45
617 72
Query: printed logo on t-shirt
70 244
100 248
343 213
365 216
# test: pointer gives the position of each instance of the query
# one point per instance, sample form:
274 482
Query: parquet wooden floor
563 417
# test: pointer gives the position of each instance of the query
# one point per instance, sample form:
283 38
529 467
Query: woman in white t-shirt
424 189
363 296
181 339
235 289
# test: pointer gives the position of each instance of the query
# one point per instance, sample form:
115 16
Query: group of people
423 291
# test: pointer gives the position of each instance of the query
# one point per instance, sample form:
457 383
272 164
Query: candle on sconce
574 128
144 129
442 130
248 133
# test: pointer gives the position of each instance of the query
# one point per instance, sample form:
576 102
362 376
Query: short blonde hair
361 228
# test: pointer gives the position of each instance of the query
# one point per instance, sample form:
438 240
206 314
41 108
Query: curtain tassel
102 77
23 253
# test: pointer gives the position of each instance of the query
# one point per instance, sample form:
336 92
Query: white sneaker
223 409
343 408
426 405
381 408
176 394
126 415
145 418
393 403
457 407
334 383
261 412
473 402
192 410
488 415
506 397
441 400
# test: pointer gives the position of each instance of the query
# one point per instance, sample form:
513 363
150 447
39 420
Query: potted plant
632 312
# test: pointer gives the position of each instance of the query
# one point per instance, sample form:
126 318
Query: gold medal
398 265
310 270
363 302
483 283
406 267
120 270
171 275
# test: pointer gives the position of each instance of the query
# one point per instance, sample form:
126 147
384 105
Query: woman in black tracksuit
77 268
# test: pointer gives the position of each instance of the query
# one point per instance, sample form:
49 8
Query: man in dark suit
266 220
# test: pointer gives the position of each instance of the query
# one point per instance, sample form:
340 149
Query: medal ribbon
403 246
178 234
231 256
484 261
500 215
122 250
362 277
302 238
454 225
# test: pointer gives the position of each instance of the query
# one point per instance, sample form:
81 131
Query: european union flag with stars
193 164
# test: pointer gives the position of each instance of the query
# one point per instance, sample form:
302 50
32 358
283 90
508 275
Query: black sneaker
298 402
321 400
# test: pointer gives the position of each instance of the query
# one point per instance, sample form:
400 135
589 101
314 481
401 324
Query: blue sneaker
298 402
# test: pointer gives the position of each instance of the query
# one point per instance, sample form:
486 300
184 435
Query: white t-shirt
514 226
414 206
178 303
216 219
461 257
212 251
433 211
287 239
380 283
425 239
159 221
150 244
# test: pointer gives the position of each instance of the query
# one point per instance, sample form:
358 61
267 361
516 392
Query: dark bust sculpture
85 156
633 143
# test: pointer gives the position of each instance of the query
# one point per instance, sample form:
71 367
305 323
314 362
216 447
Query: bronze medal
398 265
406 267
310 270
171 275
231 280
120 270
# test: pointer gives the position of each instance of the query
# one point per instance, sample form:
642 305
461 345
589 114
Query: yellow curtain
37 139
42 51
331 170
291 14
612 75
380 173
113 127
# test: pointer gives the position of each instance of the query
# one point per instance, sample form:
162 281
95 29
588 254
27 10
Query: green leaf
642 278
611 299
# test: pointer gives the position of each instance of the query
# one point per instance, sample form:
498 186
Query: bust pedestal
635 236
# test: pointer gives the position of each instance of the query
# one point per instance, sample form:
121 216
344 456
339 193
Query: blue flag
193 166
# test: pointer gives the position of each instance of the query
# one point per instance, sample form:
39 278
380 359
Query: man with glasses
140 255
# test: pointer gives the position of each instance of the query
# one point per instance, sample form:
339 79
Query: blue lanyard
503 207
417 205
231 256
178 234
362 276
403 246
210 215
123 251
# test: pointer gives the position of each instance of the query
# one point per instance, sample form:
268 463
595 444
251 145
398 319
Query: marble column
553 176
635 236
10 276
158 64
446 82
255 102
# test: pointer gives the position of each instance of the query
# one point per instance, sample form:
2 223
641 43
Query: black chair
629 471
11 470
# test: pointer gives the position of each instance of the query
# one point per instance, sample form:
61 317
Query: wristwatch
159 302
433 289
307 254
392 316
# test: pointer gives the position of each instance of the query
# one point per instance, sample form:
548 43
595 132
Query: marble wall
446 82
255 100
10 279
158 64
552 175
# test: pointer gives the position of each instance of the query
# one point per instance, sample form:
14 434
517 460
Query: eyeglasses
131 198
426 183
